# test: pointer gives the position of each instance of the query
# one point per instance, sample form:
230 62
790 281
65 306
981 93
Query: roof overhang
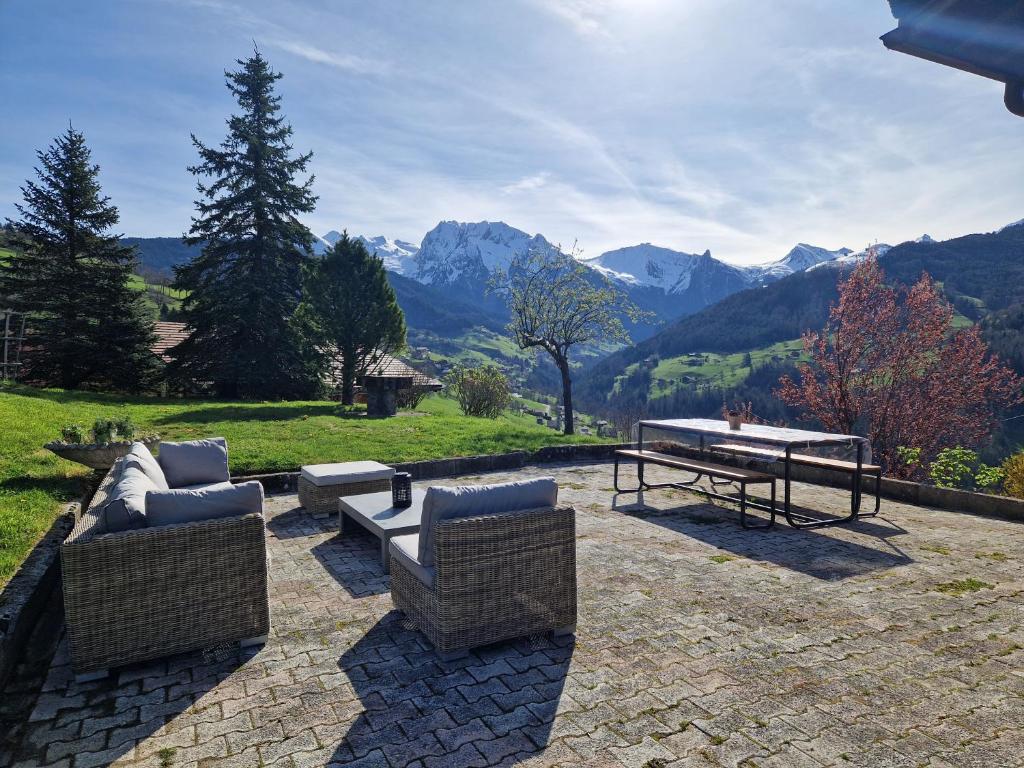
983 37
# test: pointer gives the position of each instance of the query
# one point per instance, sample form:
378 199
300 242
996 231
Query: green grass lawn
261 437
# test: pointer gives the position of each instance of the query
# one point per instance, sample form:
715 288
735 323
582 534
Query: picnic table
767 443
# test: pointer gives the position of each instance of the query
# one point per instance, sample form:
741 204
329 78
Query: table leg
858 479
385 558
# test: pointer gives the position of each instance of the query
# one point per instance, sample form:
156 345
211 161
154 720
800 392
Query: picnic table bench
758 441
714 472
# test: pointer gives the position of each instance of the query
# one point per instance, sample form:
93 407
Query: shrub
73 433
109 430
481 391
1013 475
959 468
409 399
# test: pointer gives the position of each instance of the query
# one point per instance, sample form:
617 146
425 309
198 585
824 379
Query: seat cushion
445 503
197 461
204 486
126 505
140 457
346 472
178 505
405 550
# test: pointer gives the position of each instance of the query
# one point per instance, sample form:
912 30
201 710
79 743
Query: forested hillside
982 275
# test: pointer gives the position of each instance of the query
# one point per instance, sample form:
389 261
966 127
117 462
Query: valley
715 331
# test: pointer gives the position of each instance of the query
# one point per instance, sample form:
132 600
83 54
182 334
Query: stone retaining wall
24 597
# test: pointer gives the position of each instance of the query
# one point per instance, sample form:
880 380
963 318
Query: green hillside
981 275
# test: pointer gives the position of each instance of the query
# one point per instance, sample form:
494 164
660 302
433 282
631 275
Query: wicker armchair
497 577
141 594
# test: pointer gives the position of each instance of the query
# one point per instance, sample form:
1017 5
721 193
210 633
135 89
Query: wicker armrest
149 592
529 552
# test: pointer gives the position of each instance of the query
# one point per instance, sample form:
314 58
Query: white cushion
404 548
140 457
445 503
178 506
346 472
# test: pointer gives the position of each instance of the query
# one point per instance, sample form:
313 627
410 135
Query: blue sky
738 126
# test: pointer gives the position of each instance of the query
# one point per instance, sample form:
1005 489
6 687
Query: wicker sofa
140 594
493 576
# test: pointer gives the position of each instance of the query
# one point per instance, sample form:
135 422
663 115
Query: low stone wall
919 494
898 490
24 598
280 482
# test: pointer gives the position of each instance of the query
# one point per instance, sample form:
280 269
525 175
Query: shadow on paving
352 559
76 719
497 703
809 551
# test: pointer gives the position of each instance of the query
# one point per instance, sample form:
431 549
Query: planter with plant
98 448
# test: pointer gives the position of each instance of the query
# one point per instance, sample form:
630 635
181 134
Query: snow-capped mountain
456 252
398 255
674 272
802 257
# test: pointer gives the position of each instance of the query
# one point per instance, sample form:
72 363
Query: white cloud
343 61
527 183
586 17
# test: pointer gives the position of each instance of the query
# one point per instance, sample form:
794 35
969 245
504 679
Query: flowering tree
890 362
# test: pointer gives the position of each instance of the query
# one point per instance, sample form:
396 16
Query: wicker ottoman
320 485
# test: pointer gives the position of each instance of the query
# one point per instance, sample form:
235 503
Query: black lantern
401 490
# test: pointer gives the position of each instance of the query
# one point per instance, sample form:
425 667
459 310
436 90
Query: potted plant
107 441
735 419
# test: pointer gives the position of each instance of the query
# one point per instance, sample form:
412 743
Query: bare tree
557 303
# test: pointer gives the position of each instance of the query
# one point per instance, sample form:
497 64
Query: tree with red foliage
890 362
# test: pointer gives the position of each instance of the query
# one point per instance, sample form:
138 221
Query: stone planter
99 456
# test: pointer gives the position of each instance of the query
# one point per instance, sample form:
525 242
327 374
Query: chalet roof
169 334
388 365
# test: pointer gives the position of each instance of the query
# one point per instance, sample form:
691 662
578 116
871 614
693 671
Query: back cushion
126 506
443 503
178 506
194 462
140 458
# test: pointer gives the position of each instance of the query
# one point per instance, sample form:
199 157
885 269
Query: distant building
169 335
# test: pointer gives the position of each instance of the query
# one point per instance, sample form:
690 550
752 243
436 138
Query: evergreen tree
71 275
246 284
354 309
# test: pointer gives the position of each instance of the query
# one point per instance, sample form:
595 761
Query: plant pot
100 456
735 420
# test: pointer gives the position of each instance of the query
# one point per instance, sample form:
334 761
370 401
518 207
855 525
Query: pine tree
244 287
88 327
354 309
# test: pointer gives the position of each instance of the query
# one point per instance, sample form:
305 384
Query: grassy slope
261 436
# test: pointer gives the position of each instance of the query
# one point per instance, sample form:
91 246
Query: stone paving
893 642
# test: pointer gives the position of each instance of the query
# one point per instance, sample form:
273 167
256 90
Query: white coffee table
375 513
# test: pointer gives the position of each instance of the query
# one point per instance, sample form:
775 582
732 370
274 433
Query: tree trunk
348 382
563 368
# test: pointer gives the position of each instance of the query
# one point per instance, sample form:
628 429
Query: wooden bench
714 472
820 462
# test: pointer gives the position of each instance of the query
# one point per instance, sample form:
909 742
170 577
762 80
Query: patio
889 642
